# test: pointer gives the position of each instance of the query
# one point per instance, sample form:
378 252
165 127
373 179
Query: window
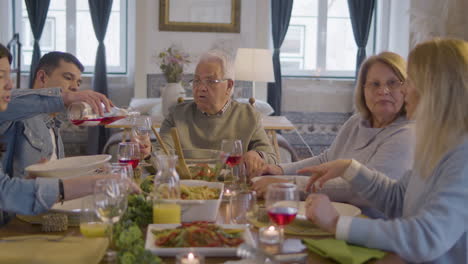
69 28
320 40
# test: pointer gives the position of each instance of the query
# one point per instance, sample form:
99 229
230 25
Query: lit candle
269 235
190 258
227 193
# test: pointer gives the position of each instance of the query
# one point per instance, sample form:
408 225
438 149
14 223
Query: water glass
243 205
90 224
110 201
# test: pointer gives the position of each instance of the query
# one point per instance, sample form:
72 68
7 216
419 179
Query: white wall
150 41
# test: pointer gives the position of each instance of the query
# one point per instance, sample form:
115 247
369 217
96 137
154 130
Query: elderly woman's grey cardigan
388 150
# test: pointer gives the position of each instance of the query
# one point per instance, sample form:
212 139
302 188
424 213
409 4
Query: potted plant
171 62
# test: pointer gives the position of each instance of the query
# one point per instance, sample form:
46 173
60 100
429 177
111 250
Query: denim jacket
27 137
37 195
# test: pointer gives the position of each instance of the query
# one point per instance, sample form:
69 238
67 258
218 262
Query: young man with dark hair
38 139
36 196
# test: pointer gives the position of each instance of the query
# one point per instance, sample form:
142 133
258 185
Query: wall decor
200 15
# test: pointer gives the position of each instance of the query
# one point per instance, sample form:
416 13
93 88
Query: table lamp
255 65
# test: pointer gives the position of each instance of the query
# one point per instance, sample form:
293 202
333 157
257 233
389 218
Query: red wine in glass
109 119
133 162
233 160
282 215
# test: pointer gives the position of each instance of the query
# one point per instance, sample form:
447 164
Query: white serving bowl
68 167
201 210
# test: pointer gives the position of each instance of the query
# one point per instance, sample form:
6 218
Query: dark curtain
280 16
361 18
37 12
100 12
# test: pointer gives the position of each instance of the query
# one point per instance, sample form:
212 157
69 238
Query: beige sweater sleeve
199 131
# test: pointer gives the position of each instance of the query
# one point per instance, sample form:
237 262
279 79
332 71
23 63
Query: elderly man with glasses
214 116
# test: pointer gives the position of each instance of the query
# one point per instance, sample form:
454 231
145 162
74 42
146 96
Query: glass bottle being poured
82 114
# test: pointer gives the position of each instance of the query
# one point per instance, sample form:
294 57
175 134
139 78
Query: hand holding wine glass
282 203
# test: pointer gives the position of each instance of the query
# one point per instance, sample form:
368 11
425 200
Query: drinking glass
110 201
243 205
124 171
90 224
232 148
129 152
141 131
282 202
141 126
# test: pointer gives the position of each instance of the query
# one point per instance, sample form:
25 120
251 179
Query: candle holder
228 193
269 235
190 258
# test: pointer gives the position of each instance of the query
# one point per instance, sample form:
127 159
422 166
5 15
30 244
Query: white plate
342 208
206 251
282 177
68 167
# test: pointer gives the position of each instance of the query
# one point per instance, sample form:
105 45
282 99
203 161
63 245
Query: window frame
321 48
70 16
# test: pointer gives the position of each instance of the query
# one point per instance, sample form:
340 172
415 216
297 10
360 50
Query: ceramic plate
68 167
342 208
205 251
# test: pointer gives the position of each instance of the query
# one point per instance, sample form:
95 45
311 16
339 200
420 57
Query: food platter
206 251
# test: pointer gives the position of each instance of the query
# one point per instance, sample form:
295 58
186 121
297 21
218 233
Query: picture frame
200 15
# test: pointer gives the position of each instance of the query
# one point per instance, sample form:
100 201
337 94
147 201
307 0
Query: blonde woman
378 135
428 204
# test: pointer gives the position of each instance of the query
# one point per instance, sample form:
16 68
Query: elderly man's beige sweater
198 130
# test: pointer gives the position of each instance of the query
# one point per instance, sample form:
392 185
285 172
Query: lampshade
254 65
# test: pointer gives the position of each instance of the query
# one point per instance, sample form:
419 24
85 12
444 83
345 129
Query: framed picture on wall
200 15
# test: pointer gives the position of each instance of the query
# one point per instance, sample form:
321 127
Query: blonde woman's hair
394 61
438 69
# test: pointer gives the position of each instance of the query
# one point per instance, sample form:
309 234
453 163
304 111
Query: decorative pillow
263 107
144 105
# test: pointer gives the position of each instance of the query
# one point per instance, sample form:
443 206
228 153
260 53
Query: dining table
292 244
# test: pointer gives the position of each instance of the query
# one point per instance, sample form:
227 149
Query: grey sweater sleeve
434 225
393 157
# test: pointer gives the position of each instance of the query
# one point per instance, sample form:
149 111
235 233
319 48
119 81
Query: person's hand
144 143
324 172
260 186
93 98
253 163
321 212
272 169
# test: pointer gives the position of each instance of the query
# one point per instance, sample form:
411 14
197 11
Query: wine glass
141 131
90 224
232 148
129 152
124 171
282 203
110 201
243 205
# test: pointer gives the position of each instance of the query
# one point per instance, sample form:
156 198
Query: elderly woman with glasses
378 135
428 203
214 116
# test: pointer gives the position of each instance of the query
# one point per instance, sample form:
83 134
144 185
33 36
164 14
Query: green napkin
342 252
